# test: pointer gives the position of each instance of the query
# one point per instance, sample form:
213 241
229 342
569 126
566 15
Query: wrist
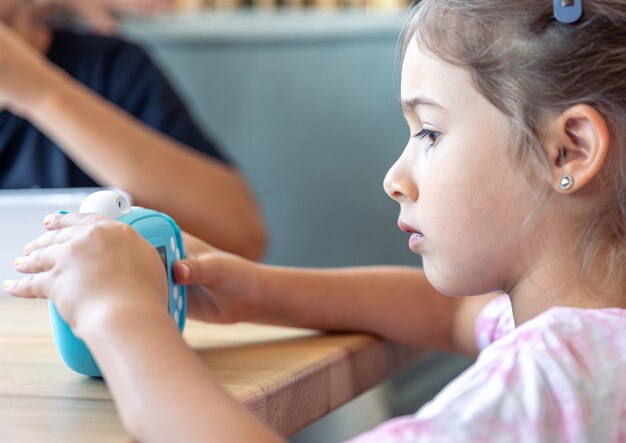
51 93
269 307
98 320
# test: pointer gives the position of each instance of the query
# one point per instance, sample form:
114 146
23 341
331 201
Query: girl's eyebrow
409 104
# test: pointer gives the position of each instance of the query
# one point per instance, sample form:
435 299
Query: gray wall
307 105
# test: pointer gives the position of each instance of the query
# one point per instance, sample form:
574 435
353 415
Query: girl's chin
447 282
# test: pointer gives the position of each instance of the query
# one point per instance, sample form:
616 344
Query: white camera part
108 203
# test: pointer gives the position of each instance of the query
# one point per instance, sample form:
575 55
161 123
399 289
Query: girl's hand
25 75
90 266
224 288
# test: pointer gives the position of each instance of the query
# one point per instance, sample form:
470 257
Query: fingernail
18 261
62 212
186 271
48 219
8 283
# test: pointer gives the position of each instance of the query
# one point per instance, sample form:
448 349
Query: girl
513 180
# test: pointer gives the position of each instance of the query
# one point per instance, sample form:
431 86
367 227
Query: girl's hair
530 67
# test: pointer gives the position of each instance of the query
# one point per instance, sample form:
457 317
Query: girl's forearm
395 302
163 392
206 197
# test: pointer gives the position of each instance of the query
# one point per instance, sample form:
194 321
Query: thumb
203 270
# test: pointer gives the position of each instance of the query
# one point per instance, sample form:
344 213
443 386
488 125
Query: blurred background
307 105
196 5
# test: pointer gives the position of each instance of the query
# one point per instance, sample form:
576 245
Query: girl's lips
415 242
406 228
417 238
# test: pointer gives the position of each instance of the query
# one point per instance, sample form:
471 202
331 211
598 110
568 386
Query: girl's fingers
195 247
32 286
60 221
63 227
50 238
40 260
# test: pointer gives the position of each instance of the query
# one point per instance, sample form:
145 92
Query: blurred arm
206 197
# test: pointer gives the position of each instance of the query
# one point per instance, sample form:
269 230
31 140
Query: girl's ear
578 147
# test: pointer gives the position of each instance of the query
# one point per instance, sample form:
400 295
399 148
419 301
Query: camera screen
162 250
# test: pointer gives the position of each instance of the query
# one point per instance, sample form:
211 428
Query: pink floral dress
559 377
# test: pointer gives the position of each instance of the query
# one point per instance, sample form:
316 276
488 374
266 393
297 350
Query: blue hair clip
568 11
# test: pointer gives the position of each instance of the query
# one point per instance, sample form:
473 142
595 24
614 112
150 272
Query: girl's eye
429 134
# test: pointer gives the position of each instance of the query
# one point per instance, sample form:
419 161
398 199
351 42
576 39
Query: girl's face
460 193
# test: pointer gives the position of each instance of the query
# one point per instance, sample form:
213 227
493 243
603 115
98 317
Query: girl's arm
117 150
397 303
108 283
163 392
391 301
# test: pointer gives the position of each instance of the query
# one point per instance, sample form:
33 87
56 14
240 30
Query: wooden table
287 377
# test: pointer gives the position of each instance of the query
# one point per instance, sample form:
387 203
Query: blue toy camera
162 233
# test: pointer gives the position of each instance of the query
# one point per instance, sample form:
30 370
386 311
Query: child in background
513 181
97 112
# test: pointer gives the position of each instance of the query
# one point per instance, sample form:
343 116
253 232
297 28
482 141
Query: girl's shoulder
584 343
558 377
573 357
495 322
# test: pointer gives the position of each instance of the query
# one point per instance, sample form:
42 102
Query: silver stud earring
566 182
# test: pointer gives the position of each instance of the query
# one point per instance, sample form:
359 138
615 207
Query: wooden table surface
287 377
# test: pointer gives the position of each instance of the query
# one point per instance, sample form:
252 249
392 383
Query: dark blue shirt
120 72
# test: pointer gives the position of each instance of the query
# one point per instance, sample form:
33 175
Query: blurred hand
91 265
24 72
223 287
101 15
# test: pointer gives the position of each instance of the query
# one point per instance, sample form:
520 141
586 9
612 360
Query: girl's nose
399 184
